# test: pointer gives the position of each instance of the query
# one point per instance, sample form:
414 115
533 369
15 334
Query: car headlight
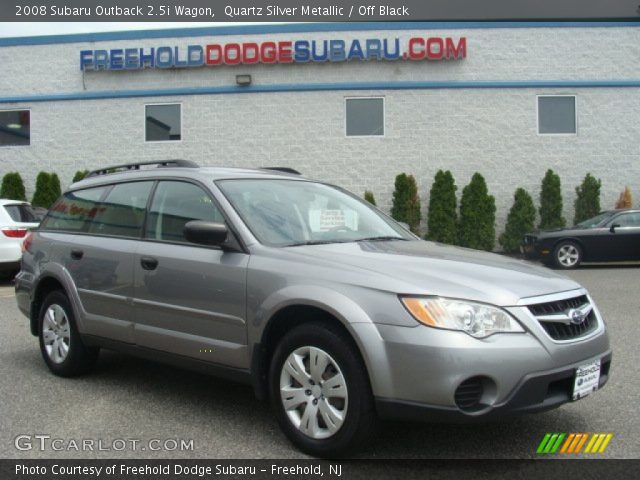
476 319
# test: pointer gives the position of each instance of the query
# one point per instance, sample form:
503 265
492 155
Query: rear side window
73 212
176 203
22 213
122 212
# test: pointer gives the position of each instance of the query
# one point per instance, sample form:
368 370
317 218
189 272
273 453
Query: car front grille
556 318
529 239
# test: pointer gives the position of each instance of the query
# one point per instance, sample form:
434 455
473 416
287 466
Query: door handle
76 254
149 263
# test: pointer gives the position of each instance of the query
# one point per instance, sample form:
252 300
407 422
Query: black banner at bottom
311 469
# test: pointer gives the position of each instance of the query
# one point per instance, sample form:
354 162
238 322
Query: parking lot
127 398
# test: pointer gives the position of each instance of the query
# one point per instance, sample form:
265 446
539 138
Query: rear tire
60 342
329 409
567 255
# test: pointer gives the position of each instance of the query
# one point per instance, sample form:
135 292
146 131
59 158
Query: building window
163 123
15 127
557 115
365 117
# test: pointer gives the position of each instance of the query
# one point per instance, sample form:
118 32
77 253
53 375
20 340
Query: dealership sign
299 51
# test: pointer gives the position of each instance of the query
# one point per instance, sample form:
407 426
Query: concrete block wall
492 131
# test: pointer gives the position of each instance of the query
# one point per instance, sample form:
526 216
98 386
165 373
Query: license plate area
586 380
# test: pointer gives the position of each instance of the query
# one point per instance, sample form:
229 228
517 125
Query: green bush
442 209
13 187
476 228
79 175
520 220
368 196
54 188
587 204
406 202
551 202
41 195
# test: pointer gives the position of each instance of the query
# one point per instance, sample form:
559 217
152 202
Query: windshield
291 212
595 221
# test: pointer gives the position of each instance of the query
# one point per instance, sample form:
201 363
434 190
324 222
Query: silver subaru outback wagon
330 309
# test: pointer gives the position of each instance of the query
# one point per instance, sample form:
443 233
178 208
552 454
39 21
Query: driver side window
174 204
627 220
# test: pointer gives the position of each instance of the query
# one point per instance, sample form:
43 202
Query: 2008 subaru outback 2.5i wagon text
331 309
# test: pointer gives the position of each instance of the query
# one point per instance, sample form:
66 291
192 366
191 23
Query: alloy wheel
568 255
313 392
56 333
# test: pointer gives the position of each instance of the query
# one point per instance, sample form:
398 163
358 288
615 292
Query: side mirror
405 226
205 233
613 227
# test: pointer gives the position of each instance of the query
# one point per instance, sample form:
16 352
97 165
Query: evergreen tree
476 228
587 204
520 220
368 196
13 187
551 202
79 175
442 209
406 202
625 200
41 195
54 188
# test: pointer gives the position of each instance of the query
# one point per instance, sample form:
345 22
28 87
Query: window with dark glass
122 212
15 127
163 123
22 213
74 211
557 115
365 117
173 205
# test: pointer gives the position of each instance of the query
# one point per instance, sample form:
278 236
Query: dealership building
351 104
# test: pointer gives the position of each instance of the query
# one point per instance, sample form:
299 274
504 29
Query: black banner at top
314 10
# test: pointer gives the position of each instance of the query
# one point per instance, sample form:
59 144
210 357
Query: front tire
60 343
567 255
320 391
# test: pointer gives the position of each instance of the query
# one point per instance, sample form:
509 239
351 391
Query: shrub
406 202
476 228
520 220
79 175
442 209
551 202
368 196
624 201
54 188
41 195
13 187
587 204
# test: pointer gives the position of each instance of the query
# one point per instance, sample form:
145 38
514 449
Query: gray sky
28 29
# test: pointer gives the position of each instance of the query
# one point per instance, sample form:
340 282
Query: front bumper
536 392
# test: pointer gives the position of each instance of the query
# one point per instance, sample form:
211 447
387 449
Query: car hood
427 268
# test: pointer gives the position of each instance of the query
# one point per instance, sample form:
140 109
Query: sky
28 29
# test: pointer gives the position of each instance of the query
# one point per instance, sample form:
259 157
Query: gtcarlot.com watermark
48 443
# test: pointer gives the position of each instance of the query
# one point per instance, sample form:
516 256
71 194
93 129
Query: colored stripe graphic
573 443
550 443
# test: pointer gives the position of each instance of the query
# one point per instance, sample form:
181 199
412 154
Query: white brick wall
490 131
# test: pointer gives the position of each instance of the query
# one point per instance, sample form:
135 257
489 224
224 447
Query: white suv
16 219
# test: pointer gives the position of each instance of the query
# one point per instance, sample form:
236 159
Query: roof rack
136 166
283 169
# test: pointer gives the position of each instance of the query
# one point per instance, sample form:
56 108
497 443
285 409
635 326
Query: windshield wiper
381 238
313 242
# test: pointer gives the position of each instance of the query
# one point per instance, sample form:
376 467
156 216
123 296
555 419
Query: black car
612 236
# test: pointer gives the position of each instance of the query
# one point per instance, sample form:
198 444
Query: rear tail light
26 244
14 232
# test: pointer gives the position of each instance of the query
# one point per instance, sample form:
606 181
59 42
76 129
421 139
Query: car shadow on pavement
177 392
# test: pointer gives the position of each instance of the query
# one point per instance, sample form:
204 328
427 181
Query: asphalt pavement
129 401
